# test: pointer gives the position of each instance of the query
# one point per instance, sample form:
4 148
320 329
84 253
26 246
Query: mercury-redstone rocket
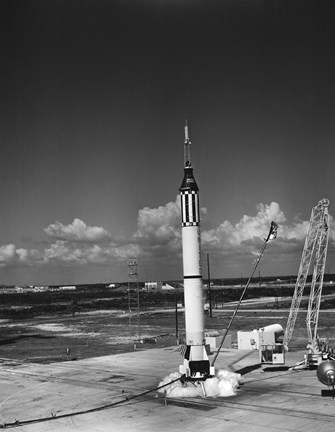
196 364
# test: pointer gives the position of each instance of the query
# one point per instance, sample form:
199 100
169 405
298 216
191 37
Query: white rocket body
194 308
196 364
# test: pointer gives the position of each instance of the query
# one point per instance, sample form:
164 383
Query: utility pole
176 312
209 288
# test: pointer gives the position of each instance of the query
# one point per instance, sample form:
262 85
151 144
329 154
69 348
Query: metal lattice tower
315 247
134 297
317 281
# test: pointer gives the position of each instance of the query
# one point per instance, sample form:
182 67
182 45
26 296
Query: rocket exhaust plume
196 364
224 384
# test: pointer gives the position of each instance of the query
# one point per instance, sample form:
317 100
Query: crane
315 249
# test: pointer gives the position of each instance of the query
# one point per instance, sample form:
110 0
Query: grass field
99 333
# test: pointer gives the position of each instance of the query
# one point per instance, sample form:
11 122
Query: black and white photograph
167 239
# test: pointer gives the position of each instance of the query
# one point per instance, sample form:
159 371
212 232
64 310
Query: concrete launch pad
117 393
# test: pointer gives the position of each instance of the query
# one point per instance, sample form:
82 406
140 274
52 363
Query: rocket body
196 364
193 295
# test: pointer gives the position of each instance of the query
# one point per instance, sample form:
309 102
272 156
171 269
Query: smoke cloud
224 384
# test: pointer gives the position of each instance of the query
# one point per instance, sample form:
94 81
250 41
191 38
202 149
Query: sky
93 97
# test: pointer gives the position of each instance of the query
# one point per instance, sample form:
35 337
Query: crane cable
271 236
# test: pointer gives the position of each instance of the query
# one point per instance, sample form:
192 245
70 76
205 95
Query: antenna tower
187 149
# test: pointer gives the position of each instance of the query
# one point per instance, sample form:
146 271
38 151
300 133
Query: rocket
196 364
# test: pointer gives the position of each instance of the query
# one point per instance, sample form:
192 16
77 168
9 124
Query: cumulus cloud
159 224
158 229
158 238
248 228
11 255
67 252
76 231
8 254
332 229
234 245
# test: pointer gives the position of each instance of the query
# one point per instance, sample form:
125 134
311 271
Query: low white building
157 285
68 287
168 287
148 286
41 288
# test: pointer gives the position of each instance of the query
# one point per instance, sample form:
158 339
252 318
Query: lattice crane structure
134 298
315 250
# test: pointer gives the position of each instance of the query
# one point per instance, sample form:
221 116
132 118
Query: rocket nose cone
189 182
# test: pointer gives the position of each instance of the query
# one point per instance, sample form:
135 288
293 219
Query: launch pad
119 393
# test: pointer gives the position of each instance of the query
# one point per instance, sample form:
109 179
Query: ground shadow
247 369
14 339
276 368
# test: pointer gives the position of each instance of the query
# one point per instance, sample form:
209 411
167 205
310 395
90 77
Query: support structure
315 250
134 298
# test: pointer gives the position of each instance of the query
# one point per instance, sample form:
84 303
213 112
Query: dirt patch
65 338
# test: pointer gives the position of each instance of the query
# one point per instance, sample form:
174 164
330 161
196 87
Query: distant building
149 286
167 287
158 285
67 287
41 288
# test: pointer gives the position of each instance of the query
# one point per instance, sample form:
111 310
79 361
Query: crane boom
317 282
315 247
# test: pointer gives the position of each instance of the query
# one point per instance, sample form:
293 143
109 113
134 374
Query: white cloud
10 255
159 229
158 239
64 251
159 224
331 229
76 231
227 235
80 253
244 239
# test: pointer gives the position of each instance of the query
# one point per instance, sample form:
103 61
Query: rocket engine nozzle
199 370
